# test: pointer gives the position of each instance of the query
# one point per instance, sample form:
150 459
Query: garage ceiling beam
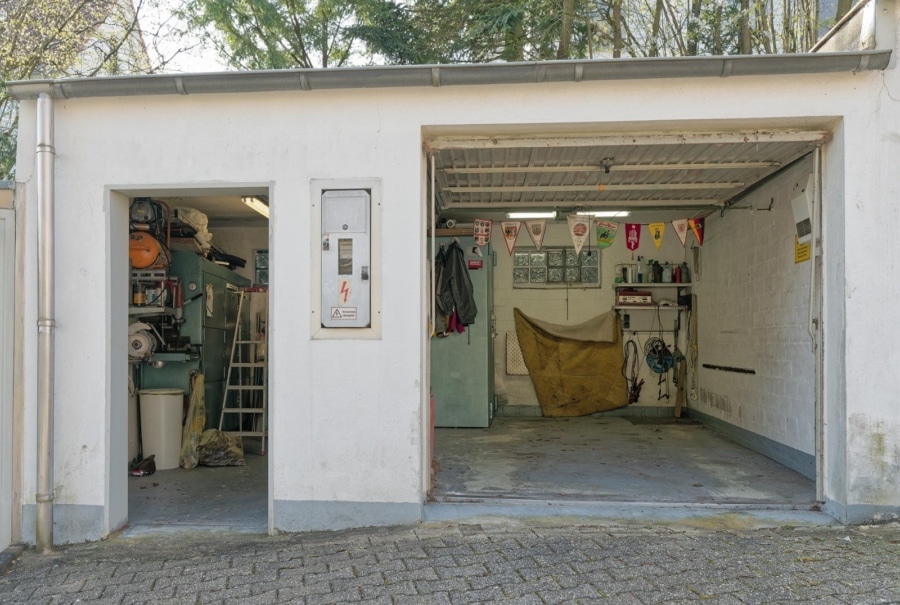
606 204
600 187
513 142
612 168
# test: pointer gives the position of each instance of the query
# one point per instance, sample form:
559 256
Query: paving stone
470 563
384 592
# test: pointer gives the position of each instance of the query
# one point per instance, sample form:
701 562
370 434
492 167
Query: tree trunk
568 17
617 29
654 34
745 27
694 28
717 31
843 6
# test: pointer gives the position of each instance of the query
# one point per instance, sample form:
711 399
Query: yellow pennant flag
656 233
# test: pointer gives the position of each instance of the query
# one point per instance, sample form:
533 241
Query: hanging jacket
454 288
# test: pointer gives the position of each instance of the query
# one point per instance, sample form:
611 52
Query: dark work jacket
454 288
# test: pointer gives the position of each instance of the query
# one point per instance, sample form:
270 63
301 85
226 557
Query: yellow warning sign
802 252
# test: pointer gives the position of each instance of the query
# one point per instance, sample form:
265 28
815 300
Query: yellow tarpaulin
576 370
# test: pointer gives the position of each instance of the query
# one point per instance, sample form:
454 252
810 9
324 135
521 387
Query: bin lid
161 392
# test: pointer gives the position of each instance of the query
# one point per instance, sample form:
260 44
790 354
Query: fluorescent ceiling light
257 204
604 213
531 214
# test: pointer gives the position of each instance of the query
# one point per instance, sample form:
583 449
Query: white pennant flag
536 229
579 227
681 228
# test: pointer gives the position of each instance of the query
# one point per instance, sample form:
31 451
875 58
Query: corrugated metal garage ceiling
696 171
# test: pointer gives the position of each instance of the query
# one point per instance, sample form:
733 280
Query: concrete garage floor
610 459
226 498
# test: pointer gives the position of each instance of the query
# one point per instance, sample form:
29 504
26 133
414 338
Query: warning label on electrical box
343 312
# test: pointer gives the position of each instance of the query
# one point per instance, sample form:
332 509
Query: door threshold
709 515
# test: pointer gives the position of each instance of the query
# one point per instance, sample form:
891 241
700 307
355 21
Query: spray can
137 294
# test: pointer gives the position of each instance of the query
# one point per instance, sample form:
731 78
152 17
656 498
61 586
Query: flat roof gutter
453 75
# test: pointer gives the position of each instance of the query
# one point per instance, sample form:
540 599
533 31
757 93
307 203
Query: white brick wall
752 313
573 305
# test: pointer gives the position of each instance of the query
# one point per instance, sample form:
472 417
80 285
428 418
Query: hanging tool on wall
631 370
659 358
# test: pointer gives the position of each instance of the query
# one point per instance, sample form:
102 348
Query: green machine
211 293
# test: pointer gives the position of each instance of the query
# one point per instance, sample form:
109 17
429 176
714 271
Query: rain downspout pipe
46 324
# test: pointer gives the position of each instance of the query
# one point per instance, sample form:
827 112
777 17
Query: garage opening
646 325
198 359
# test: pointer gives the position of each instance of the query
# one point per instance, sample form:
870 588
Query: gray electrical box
346 250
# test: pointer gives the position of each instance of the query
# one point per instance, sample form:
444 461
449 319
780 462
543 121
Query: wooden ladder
246 382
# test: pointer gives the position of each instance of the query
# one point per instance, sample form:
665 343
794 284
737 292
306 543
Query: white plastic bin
161 411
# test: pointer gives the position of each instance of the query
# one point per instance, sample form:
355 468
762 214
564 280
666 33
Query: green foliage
401 34
53 38
278 34
261 34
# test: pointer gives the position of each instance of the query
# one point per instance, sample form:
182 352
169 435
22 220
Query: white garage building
793 358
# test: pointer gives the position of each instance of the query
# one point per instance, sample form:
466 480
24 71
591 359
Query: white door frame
7 313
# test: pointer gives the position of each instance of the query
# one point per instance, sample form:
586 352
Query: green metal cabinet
462 364
209 323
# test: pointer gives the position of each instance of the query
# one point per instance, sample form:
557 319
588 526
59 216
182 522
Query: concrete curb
9 555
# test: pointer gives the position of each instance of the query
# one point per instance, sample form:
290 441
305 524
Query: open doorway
198 316
712 396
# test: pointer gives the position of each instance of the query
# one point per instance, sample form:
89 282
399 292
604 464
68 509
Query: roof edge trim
572 71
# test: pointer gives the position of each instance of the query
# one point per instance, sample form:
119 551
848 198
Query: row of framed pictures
561 267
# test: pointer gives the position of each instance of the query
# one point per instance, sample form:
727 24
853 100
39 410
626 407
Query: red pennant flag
632 236
697 225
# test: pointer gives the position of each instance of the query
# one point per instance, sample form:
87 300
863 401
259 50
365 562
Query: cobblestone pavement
519 562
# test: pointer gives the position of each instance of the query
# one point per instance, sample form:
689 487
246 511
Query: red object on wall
476 264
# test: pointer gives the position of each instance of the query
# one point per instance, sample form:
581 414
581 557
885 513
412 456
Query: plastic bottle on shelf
685 273
667 273
640 270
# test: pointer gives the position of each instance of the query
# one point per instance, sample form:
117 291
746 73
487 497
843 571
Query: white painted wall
752 312
571 306
347 416
871 284
242 242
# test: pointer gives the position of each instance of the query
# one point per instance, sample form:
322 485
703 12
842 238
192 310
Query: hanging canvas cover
632 236
681 229
697 225
606 233
579 227
536 229
482 231
510 233
656 232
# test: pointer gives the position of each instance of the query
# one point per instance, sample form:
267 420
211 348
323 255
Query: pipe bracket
43 498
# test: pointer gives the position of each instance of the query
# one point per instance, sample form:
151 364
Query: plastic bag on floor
220 449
